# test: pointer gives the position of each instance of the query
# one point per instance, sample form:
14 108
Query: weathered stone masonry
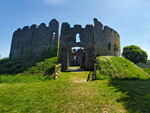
107 40
99 40
33 40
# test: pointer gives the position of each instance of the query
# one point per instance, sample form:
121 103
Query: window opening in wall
32 34
53 36
75 48
75 57
109 46
78 38
115 48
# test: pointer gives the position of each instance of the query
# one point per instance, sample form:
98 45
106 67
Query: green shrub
43 68
14 66
135 54
143 65
4 60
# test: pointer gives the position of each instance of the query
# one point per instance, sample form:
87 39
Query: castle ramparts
94 39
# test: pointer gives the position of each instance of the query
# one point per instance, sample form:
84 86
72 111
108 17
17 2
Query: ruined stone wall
32 41
68 40
107 40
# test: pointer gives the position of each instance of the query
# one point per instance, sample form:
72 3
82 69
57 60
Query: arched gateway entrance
77 57
83 38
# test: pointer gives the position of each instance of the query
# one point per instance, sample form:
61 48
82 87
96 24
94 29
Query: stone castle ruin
91 41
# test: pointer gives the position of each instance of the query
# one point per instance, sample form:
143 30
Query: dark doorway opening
77 57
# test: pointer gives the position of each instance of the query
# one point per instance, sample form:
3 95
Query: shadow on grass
137 93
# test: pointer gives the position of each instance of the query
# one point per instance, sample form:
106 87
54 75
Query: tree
135 54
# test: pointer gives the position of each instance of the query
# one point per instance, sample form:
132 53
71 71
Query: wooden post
57 71
94 72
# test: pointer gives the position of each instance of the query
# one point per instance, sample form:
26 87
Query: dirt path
78 75
89 95
75 69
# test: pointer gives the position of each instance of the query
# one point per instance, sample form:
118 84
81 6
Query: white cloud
55 2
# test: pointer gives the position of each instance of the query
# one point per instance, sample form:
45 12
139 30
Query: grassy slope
119 67
19 65
43 68
72 93
40 72
147 70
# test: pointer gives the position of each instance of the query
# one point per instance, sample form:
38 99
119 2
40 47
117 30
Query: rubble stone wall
95 39
31 41
107 40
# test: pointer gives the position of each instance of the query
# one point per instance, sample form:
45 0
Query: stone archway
77 57
69 39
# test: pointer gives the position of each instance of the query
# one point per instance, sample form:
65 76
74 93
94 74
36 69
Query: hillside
19 65
118 67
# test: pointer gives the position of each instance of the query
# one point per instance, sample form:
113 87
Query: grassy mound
43 68
118 67
19 65
43 71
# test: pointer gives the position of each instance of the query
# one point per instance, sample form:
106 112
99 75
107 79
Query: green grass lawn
72 93
23 79
74 66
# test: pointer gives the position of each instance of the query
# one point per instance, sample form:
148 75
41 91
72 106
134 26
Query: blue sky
130 18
